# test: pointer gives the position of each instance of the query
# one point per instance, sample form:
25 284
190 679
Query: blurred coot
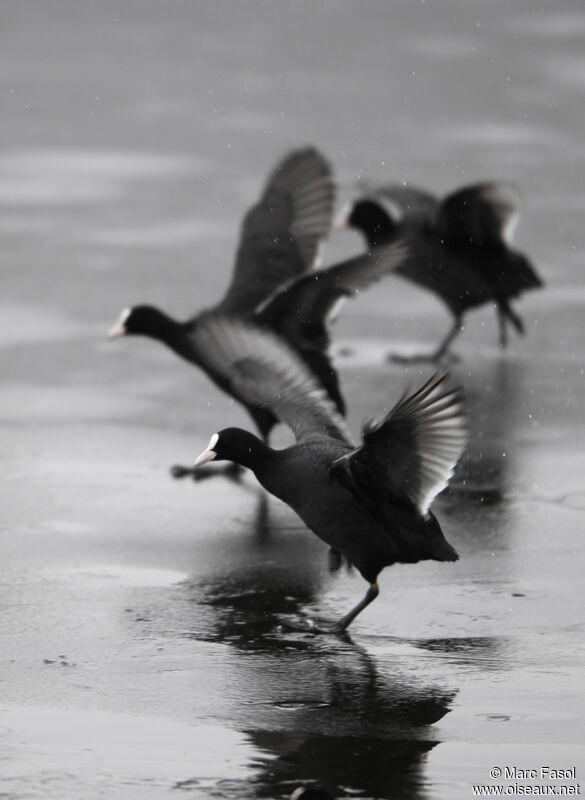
459 247
273 285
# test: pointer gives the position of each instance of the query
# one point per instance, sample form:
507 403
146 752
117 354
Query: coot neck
377 234
255 455
172 333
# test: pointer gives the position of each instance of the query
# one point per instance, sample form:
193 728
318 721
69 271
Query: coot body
459 248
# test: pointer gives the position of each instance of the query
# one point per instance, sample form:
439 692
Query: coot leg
507 316
335 560
345 622
446 343
439 353
503 342
232 471
309 626
262 529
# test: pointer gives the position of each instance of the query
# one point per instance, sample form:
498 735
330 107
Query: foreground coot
459 248
370 503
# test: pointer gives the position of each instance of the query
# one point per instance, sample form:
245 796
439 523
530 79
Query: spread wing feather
282 232
412 452
264 371
485 213
301 309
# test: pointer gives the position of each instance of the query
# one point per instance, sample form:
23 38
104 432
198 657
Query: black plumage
370 502
315 792
273 284
459 248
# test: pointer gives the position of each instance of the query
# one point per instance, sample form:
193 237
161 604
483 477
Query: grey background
140 655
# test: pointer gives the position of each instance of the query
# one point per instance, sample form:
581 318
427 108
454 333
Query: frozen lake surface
141 653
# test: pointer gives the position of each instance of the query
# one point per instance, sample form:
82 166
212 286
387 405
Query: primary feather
412 452
281 233
264 371
301 309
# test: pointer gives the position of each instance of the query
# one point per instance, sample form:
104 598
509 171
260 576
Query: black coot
272 284
459 248
370 502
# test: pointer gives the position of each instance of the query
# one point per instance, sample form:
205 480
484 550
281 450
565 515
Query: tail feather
446 553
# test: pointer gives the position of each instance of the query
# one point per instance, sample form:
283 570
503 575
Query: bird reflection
365 732
486 474
359 724
319 710
493 398
274 576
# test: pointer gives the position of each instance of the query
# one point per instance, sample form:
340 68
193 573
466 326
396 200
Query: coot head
232 444
369 217
140 320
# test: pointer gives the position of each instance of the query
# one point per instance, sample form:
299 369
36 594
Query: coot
369 502
459 248
271 285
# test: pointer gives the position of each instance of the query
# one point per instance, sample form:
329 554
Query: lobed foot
231 471
308 625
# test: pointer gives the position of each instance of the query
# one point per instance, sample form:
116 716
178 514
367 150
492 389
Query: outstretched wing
485 213
261 369
411 454
305 176
301 309
281 233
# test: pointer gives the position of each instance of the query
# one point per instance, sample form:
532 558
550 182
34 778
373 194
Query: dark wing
301 310
305 176
445 272
477 224
281 233
485 213
411 454
261 369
